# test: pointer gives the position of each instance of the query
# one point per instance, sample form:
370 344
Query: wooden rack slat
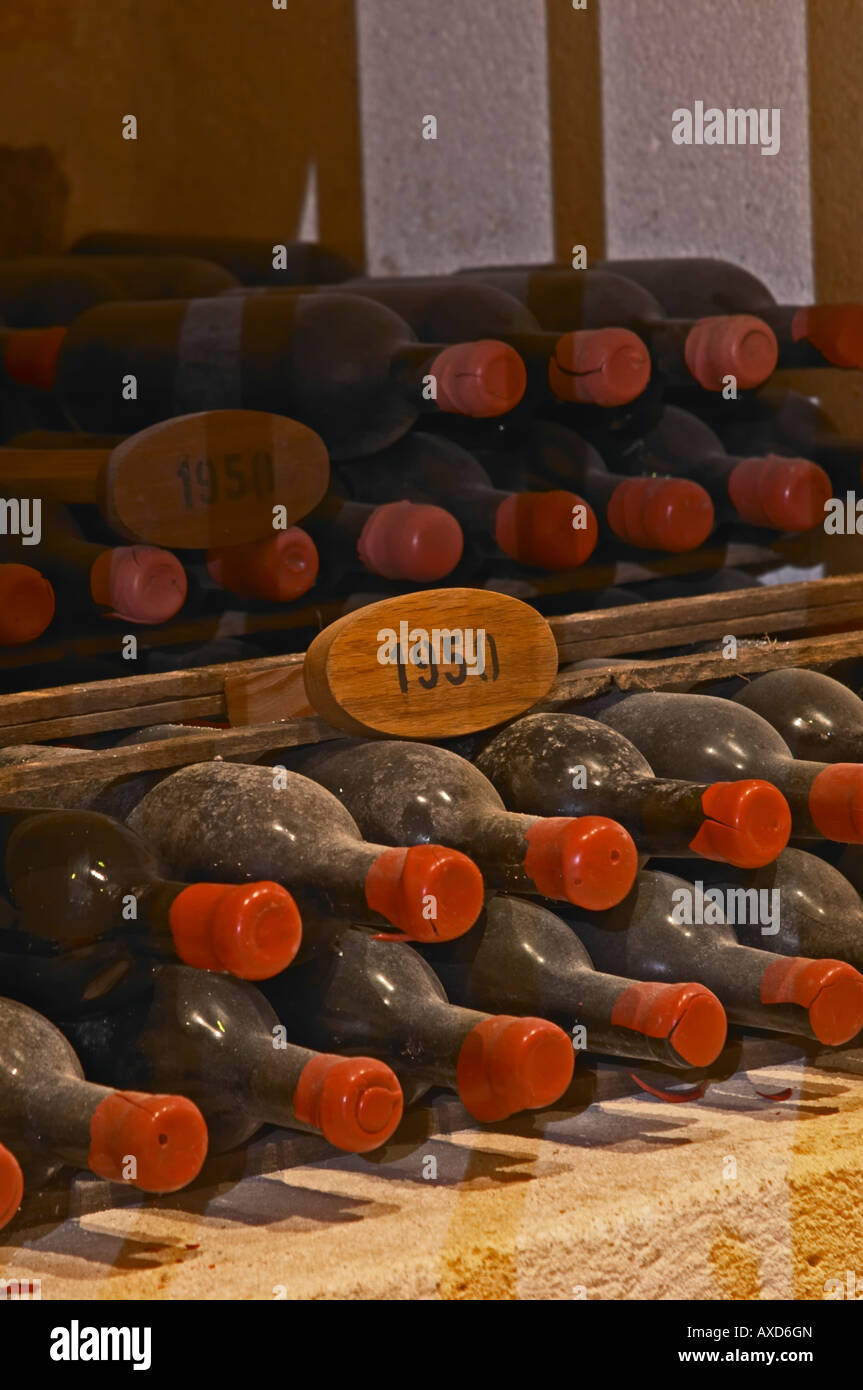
203 692
752 657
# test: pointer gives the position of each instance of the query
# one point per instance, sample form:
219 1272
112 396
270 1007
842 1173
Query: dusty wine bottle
226 820
706 349
602 366
647 936
798 905
51 1116
252 260
77 877
707 737
135 583
369 995
219 1040
560 764
38 291
655 513
776 491
521 957
344 366
814 335
552 530
411 793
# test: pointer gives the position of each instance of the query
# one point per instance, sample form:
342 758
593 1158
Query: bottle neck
412 372
499 845
53 1113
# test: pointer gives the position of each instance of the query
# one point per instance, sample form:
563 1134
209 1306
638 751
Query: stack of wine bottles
318 936
317 939
482 428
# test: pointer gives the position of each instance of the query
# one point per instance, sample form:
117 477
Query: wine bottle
280 568
709 738
815 335
534 528
38 291
798 905
785 422
368 995
345 366
11 1185
819 718
706 349
34 293
787 494
225 820
398 540
77 877
521 957
560 764
26 604
655 513
218 1039
51 1116
136 583
647 936
602 366
412 793
252 260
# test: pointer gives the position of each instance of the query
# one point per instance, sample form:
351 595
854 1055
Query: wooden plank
261 697
198 746
752 658
101 721
804 603
654 640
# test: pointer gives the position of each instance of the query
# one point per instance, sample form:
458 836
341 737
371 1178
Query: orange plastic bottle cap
737 345
587 860
481 379
836 330
11 1185
26 604
673 514
553 530
787 494
599 366
252 930
429 892
139 582
165 1136
831 991
280 568
749 823
410 540
30 357
836 803
356 1102
509 1064
688 1016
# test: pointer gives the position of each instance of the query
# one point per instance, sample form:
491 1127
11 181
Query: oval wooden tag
431 665
213 478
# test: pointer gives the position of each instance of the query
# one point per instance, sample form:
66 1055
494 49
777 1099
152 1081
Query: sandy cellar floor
753 1191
